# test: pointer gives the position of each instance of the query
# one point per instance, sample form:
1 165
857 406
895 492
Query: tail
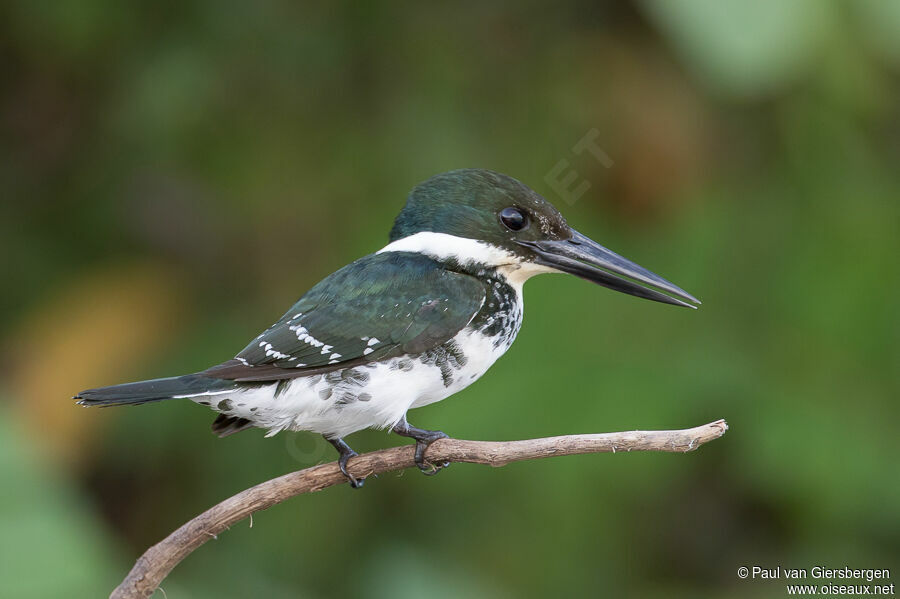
175 387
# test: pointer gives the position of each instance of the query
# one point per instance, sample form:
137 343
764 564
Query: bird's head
479 218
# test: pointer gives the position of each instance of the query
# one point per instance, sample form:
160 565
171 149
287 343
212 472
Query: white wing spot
271 351
304 336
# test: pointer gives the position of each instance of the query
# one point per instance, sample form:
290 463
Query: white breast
480 352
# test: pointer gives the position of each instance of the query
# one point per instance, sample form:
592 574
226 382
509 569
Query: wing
381 306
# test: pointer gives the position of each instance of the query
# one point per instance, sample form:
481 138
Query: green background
173 175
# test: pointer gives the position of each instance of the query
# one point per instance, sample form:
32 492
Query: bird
409 325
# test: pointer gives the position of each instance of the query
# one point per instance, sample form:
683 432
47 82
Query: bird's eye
513 218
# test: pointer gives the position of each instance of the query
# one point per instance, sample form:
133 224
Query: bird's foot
346 453
424 438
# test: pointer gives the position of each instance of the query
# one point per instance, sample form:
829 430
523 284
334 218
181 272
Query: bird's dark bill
585 258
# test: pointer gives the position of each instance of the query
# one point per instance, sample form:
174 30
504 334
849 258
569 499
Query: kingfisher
409 325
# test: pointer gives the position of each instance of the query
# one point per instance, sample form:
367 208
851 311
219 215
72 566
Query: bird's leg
346 453
423 438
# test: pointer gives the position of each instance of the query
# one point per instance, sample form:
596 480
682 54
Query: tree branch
158 561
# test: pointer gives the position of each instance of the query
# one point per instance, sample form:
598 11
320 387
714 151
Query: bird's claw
346 453
426 467
356 483
424 439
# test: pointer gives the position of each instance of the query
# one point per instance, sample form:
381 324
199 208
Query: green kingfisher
412 324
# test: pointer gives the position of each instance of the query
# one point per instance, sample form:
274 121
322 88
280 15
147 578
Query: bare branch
156 563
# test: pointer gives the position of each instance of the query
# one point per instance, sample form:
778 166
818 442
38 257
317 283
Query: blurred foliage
173 175
46 525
